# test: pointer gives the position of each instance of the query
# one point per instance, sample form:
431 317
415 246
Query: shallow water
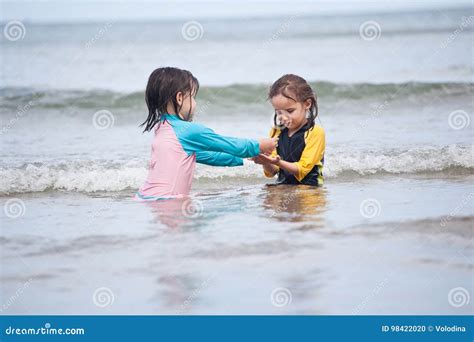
225 250
416 45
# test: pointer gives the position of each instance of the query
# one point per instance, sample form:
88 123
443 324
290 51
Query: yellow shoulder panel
313 152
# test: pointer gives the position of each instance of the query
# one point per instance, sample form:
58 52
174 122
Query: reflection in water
284 203
175 213
180 294
296 203
173 292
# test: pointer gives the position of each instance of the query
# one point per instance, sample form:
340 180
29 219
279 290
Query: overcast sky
86 10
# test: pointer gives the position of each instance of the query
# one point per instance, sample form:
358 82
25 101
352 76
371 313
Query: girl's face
188 105
290 113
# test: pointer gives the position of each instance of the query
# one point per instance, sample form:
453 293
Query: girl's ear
308 103
179 98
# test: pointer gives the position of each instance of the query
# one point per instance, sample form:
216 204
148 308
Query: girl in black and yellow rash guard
299 156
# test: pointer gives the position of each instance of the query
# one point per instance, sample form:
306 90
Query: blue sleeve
196 138
218 159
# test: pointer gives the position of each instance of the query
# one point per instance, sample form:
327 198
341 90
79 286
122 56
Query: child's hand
267 145
258 159
263 159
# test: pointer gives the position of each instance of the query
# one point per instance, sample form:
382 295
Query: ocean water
389 233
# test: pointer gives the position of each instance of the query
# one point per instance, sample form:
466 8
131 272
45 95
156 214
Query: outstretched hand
264 159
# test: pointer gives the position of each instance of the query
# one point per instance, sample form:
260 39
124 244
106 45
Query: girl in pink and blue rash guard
179 143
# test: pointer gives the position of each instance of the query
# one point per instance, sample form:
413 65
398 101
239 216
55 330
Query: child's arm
197 138
218 159
271 165
270 169
312 155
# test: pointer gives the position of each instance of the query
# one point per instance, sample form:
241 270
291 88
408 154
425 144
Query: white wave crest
91 176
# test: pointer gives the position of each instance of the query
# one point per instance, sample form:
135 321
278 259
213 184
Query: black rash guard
305 148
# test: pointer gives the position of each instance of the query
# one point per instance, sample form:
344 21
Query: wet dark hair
297 89
163 86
